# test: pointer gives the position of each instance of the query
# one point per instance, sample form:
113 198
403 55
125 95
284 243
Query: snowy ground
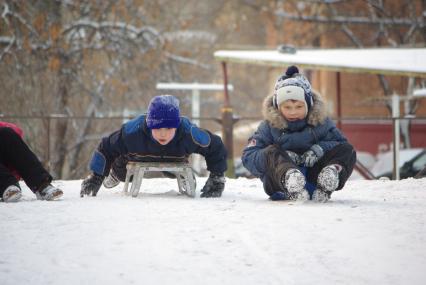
372 232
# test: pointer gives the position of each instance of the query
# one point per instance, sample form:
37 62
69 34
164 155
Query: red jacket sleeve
14 127
20 132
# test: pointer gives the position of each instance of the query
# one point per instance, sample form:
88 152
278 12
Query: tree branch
7 11
348 32
352 20
9 46
186 60
131 30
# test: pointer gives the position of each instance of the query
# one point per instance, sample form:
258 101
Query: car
410 167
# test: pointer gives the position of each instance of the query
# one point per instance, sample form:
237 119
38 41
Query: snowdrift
371 232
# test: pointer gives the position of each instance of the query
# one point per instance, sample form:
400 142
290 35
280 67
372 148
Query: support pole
396 135
195 106
195 109
228 125
49 165
338 101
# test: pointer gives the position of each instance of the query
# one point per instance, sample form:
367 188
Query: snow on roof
392 61
192 86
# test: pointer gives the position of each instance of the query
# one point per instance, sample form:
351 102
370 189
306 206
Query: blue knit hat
293 85
163 112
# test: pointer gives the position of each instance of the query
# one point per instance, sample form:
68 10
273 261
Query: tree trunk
61 125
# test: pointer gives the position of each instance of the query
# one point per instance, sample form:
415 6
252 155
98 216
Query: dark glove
311 156
297 159
91 184
214 186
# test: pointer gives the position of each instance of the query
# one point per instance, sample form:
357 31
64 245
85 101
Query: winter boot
328 181
320 196
49 193
12 194
111 181
294 181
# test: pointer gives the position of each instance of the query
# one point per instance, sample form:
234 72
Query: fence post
396 136
48 143
228 125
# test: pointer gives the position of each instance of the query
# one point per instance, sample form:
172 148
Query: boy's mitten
294 157
311 156
91 185
214 186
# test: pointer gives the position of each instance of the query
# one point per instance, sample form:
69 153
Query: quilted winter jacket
294 136
134 141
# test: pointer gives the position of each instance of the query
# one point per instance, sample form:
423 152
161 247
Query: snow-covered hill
372 232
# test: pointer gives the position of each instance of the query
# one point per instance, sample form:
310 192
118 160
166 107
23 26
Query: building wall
377 136
361 94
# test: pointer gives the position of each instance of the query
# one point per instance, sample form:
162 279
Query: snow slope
372 232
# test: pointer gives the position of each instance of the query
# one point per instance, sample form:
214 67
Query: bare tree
76 45
93 58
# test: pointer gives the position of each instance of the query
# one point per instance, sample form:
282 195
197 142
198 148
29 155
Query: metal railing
45 150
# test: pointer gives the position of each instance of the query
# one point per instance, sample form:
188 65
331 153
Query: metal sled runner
182 171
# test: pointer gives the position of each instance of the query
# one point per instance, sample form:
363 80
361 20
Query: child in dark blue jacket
297 151
161 135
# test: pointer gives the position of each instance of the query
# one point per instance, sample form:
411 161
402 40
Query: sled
182 171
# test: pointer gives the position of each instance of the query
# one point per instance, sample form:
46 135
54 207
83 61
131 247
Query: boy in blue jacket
161 135
297 151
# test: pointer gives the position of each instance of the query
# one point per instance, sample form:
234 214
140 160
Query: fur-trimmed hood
316 115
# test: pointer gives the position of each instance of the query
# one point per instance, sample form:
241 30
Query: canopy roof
387 61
